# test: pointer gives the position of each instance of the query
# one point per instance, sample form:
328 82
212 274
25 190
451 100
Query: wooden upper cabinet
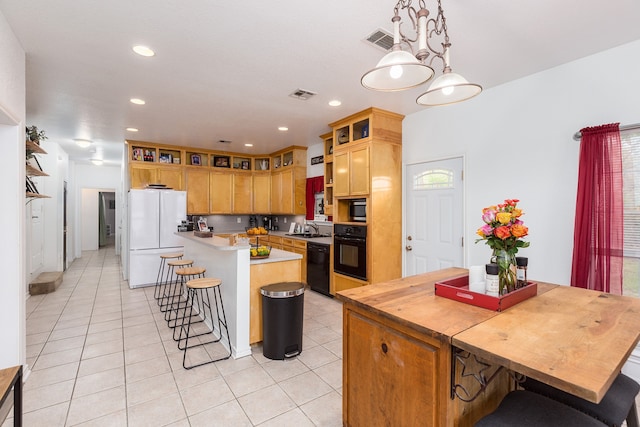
242 189
276 193
221 185
171 177
197 184
261 193
359 171
341 174
142 175
288 190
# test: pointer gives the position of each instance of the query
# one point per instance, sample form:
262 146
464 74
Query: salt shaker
492 282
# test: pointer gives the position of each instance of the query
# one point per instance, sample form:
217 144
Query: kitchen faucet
315 227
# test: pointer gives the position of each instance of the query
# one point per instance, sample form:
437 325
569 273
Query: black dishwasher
318 264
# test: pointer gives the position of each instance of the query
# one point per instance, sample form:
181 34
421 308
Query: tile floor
101 354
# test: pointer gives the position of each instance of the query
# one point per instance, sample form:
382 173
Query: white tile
281 370
305 387
59 358
205 396
147 368
41 397
316 357
161 411
150 389
331 373
293 418
225 415
50 416
101 363
325 411
96 405
265 404
248 380
48 376
98 382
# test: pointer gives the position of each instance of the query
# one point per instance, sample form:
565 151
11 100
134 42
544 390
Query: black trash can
282 312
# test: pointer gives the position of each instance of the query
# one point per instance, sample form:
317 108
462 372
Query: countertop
280 233
573 339
222 244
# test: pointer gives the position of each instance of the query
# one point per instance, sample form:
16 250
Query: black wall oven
350 250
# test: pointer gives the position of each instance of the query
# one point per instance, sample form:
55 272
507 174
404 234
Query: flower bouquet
502 231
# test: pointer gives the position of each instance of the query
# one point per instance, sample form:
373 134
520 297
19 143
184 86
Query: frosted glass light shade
397 70
449 88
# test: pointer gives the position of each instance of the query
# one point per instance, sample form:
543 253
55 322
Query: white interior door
434 211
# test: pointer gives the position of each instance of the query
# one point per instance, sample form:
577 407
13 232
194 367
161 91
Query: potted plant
34 135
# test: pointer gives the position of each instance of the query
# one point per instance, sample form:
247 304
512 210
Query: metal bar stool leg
201 287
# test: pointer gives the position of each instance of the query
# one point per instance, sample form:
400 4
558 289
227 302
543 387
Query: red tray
457 289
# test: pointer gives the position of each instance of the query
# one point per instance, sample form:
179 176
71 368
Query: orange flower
516 213
502 232
519 230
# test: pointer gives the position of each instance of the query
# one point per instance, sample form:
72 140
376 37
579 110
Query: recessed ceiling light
283 128
248 145
84 143
137 101
335 103
97 162
132 129
143 51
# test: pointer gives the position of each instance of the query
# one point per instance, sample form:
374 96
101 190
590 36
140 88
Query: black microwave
358 210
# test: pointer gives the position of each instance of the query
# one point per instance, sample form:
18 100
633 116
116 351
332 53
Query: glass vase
506 270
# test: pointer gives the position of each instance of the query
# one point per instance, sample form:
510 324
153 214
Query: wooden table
573 339
12 377
401 341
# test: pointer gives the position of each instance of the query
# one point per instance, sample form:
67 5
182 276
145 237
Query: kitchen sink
308 235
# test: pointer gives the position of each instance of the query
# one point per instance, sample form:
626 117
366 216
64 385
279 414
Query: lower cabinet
390 377
395 375
299 247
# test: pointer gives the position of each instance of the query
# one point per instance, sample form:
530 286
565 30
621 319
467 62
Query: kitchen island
413 358
241 280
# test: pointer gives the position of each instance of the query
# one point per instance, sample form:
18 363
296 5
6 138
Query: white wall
517 142
90 179
12 176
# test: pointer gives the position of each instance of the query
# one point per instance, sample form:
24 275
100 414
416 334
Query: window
434 179
631 197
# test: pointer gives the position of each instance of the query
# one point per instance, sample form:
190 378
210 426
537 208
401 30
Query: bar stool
183 275
527 409
170 284
198 294
163 261
617 405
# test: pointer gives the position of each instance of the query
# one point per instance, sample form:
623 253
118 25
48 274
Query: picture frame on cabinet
202 224
196 160
221 161
245 164
166 158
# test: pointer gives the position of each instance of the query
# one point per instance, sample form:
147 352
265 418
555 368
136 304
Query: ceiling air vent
381 39
302 94
224 141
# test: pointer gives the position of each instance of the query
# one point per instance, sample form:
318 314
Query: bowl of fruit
260 251
256 231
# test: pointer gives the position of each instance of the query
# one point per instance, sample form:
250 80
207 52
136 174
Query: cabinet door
221 192
341 174
276 193
242 189
303 271
197 184
359 171
261 193
396 373
286 197
143 175
171 177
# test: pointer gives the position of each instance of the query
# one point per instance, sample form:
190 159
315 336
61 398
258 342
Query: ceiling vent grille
224 141
302 94
381 39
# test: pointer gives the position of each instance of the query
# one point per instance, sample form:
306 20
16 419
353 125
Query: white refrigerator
154 216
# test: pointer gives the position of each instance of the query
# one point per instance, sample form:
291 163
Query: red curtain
598 237
314 185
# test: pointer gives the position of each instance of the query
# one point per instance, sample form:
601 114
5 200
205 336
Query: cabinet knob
409 238
408 248
384 348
